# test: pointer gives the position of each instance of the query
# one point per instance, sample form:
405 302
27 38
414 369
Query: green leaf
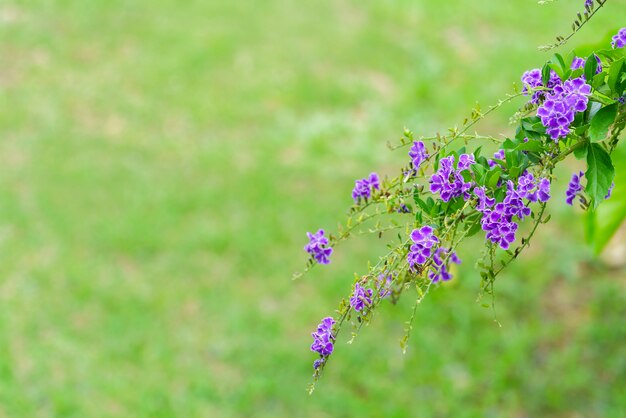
601 122
479 172
493 177
615 74
581 153
613 54
605 221
557 69
508 144
531 145
598 80
558 59
545 74
511 157
591 66
569 59
600 173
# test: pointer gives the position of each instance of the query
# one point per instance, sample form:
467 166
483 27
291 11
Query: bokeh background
160 162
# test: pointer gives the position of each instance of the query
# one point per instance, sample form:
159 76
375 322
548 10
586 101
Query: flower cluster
448 182
361 297
558 110
363 187
323 340
318 247
619 39
441 271
418 153
498 221
532 79
423 241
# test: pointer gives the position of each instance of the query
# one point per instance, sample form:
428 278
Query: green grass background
160 162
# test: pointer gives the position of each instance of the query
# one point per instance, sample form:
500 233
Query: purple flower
374 181
498 155
383 284
317 247
578 63
514 203
424 239
588 3
418 153
404 209
608 194
498 220
558 110
529 189
323 339
448 182
532 78
619 39
441 271
543 190
484 201
424 236
573 188
526 185
465 161
499 226
361 297
363 187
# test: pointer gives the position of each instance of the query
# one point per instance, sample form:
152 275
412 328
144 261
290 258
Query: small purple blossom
498 155
573 188
588 3
543 190
383 284
317 247
619 39
423 241
361 297
418 153
608 194
484 201
578 63
363 187
323 339
465 162
441 271
404 209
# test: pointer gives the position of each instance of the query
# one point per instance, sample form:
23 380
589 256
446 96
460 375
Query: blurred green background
161 162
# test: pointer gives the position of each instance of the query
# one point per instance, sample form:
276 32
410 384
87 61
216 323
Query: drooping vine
449 190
